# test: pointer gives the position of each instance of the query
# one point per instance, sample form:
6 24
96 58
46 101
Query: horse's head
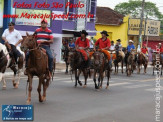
74 58
28 43
98 58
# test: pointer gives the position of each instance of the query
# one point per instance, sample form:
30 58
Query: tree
133 7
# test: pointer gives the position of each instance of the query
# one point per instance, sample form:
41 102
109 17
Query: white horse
2 74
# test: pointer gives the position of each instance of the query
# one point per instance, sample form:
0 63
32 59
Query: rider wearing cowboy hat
104 44
82 44
144 50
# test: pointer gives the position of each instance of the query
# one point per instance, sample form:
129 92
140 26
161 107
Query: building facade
61 27
114 23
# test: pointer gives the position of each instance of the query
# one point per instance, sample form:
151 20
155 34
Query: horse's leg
122 66
66 67
13 68
94 78
102 77
44 89
29 89
153 69
138 70
39 88
80 83
3 80
76 78
145 67
108 77
20 66
115 68
85 77
99 79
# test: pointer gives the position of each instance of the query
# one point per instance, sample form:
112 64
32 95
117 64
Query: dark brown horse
141 60
37 66
100 65
77 64
65 54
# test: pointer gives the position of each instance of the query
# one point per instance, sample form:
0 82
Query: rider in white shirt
12 39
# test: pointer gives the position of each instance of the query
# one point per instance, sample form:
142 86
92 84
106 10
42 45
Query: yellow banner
1 12
152 27
134 27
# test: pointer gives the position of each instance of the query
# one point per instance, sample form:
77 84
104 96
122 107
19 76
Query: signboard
1 12
134 26
32 17
81 22
152 27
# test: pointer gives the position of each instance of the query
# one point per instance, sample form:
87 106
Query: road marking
137 86
119 84
153 89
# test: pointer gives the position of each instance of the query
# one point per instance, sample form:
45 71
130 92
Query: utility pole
141 23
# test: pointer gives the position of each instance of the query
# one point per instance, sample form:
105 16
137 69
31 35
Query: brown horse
130 66
100 65
16 68
78 65
141 60
119 59
37 66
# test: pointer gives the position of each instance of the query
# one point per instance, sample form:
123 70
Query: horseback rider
104 45
12 39
44 39
82 45
71 44
129 48
118 47
144 50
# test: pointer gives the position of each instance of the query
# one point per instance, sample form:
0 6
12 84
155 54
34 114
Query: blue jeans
162 56
50 57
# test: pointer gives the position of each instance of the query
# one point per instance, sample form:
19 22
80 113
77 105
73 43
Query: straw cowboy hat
130 41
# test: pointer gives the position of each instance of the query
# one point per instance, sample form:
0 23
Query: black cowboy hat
11 23
84 32
119 40
105 32
112 41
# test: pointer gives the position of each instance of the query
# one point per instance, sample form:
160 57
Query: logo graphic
17 112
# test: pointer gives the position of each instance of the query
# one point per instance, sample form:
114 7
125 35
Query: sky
112 3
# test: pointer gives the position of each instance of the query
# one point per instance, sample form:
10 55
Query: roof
107 16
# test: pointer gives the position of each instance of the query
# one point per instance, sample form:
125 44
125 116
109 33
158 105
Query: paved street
129 99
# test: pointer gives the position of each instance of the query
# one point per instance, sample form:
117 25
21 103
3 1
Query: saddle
43 50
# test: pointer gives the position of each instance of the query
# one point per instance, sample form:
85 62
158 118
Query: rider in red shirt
82 44
104 44
144 50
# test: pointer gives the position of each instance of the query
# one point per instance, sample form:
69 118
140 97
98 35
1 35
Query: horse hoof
107 87
84 86
40 100
4 87
75 86
43 98
100 87
28 102
80 83
16 86
97 90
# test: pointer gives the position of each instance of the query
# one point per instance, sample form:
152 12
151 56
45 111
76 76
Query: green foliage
133 7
